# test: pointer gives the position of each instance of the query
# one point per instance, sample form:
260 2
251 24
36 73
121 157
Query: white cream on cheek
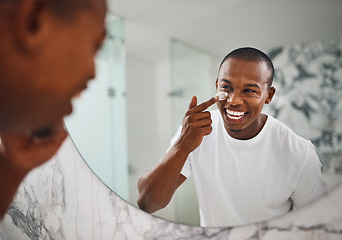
221 96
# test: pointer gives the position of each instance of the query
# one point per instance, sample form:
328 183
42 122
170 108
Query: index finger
201 107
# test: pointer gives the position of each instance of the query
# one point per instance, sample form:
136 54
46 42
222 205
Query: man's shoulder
282 131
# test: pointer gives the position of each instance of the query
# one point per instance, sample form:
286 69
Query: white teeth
235 118
235 113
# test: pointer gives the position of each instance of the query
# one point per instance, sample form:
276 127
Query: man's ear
270 95
216 84
30 25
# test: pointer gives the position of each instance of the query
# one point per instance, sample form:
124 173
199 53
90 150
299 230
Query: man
46 57
247 166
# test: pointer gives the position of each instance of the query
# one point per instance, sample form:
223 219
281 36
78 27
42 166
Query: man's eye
226 87
249 91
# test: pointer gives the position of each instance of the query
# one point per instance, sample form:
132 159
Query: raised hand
196 124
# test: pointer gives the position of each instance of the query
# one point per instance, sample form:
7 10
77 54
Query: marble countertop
64 199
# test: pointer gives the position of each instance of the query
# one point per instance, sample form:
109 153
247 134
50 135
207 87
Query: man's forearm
157 187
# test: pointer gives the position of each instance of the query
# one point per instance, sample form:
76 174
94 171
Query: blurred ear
30 25
270 95
216 83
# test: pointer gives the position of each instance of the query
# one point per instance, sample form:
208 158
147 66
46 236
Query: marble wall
308 79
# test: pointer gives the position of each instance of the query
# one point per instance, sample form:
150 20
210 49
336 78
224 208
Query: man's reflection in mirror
247 166
47 55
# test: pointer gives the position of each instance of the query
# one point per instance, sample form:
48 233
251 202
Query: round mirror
147 71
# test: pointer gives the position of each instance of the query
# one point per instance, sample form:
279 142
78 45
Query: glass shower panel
98 123
191 76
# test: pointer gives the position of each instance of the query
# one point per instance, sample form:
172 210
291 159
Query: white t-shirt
246 181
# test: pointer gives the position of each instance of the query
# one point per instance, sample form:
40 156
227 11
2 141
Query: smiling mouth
235 115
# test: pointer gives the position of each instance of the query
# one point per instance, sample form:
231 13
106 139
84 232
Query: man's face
247 88
38 86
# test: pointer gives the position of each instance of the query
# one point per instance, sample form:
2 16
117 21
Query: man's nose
234 99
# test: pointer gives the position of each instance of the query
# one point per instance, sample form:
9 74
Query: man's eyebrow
227 81
246 85
252 85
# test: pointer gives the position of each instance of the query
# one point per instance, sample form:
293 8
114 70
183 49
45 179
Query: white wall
149 120
149 131
141 119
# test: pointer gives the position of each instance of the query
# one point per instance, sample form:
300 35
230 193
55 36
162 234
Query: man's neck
251 131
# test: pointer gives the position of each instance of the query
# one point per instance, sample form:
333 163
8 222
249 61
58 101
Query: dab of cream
221 96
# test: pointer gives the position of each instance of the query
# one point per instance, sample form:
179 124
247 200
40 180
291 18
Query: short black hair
254 55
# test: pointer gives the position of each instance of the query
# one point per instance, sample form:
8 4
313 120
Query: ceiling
218 26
